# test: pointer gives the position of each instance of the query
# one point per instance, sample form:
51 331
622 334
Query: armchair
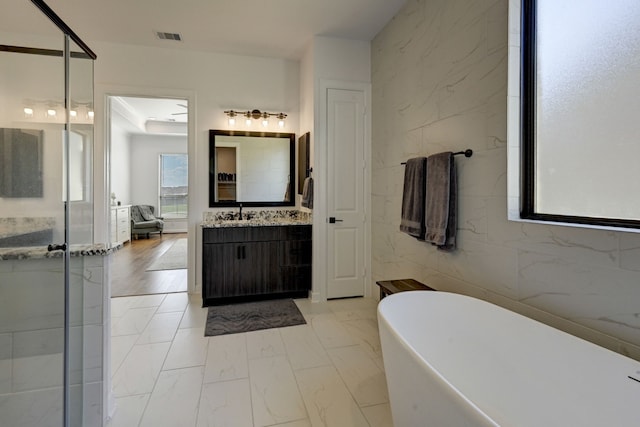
143 221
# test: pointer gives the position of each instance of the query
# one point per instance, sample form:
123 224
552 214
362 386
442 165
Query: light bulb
248 122
281 123
232 121
265 122
28 112
73 113
90 114
51 112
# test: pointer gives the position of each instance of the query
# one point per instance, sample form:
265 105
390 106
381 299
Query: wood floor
129 265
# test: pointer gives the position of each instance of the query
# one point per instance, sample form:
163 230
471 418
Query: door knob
333 220
57 247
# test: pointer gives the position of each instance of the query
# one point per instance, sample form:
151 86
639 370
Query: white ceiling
273 28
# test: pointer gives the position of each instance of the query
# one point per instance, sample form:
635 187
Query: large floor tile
226 358
189 348
133 322
195 316
365 332
264 343
327 399
226 404
120 348
354 308
378 415
140 369
298 423
363 377
331 332
128 410
161 328
303 347
175 398
176 302
274 392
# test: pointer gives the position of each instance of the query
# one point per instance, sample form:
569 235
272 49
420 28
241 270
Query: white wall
120 160
211 83
439 73
144 160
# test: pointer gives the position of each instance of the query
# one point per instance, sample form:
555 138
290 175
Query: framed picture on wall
303 159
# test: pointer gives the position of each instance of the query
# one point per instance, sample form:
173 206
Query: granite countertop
256 218
41 252
253 223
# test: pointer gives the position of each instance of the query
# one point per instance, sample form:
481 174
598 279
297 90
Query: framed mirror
303 160
252 168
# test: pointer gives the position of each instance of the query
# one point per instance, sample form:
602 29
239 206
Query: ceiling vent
168 36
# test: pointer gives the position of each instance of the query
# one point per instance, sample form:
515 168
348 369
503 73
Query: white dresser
120 223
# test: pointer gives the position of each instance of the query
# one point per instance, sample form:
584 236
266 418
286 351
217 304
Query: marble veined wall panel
439 83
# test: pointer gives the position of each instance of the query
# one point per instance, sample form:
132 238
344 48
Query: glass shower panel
50 340
32 124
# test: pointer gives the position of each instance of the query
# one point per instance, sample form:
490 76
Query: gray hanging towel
441 201
307 193
413 198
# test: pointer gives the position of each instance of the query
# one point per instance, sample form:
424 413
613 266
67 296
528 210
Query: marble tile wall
439 73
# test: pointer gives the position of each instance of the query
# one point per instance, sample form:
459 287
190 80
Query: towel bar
467 153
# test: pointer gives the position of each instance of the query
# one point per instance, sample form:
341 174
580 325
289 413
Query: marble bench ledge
41 252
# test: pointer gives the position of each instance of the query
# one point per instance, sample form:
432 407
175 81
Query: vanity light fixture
232 117
255 115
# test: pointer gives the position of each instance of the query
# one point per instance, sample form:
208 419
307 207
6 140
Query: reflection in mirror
20 163
252 168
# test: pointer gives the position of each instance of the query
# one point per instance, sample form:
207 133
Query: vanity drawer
296 232
240 234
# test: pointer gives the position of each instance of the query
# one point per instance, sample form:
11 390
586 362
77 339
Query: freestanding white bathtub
453 360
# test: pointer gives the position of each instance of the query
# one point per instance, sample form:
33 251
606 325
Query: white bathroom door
345 193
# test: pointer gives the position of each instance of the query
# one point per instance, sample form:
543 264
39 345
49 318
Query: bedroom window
174 188
579 111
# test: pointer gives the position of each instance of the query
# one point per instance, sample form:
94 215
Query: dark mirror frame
213 174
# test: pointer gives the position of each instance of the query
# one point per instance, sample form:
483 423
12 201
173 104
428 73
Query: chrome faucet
240 217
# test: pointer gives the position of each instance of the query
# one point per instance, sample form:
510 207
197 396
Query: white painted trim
102 94
320 214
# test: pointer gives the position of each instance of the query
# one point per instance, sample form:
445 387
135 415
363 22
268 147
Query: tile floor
165 372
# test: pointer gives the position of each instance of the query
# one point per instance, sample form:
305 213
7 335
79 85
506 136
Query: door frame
320 214
102 160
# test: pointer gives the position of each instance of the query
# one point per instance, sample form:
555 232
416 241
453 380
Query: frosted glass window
585 131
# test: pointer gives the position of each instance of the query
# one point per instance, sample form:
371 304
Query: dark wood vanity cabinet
251 263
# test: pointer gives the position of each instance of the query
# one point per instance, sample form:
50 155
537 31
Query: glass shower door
45 206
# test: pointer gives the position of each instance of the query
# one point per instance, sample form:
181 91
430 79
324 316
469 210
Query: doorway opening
149 193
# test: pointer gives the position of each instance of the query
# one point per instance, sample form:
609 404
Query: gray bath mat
252 316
